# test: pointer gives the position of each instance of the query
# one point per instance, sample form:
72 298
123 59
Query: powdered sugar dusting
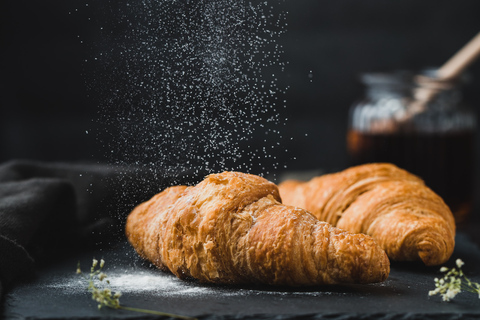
157 283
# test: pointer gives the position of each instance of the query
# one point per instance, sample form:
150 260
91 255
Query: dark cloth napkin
51 209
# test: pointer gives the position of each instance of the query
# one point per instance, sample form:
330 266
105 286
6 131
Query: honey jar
421 125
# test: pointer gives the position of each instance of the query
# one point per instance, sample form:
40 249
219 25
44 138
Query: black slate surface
58 293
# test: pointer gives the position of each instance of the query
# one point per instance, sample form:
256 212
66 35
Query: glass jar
419 124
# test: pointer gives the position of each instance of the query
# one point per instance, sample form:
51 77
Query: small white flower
451 293
459 263
117 295
102 263
94 263
102 276
443 269
79 271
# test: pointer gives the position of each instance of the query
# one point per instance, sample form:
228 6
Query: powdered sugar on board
158 283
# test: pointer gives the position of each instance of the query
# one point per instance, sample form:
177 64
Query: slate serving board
59 293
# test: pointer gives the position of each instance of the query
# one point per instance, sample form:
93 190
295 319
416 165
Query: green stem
158 313
469 286
469 289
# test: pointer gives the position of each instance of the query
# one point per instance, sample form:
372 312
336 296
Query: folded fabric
54 208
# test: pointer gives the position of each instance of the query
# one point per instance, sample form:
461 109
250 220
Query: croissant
231 228
406 218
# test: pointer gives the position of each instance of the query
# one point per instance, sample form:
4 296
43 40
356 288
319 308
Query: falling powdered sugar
188 85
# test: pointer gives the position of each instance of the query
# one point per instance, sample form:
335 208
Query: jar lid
395 78
409 79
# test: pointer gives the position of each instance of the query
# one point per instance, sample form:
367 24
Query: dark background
46 109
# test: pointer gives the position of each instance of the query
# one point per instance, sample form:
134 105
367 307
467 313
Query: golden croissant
406 218
231 228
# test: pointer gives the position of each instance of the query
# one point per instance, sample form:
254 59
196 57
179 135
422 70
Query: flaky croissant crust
232 228
407 219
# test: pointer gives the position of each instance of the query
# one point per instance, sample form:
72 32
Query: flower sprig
453 282
106 298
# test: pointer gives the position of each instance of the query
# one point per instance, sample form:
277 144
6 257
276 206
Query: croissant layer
232 228
407 219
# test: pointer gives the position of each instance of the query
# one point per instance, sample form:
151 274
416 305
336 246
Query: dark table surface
59 293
